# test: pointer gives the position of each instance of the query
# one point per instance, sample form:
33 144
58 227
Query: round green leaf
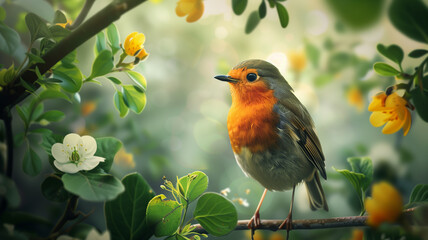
59 17
53 189
192 185
252 22
419 194
283 15
411 18
52 94
9 39
120 105
384 69
92 186
70 76
138 78
392 52
32 165
37 26
134 98
216 214
107 147
102 65
51 116
113 38
239 6
417 53
163 215
126 215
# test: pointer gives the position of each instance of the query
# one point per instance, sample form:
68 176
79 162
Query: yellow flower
357 234
385 205
134 45
297 60
390 109
193 8
64 25
355 98
124 159
88 108
276 236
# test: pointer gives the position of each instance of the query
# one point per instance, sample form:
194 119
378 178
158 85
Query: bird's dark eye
251 77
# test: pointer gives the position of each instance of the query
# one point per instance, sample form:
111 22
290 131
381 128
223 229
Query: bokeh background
326 58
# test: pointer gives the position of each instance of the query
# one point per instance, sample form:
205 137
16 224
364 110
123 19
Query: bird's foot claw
288 225
254 221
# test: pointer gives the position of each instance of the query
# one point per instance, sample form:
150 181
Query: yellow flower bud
134 45
192 8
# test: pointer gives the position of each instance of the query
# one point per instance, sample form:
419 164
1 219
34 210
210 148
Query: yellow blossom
390 109
276 236
357 234
297 60
385 205
193 8
124 159
355 98
88 108
64 25
134 45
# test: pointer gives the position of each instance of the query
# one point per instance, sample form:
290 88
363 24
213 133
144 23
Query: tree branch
69 213
337 222
82 14
9 97
6 116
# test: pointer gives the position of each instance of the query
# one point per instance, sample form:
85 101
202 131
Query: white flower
75 153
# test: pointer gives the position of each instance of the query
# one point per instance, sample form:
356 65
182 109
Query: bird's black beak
226 78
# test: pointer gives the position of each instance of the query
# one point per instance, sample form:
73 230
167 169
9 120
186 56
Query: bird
272 135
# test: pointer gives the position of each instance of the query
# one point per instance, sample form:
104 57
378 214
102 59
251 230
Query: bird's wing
295 120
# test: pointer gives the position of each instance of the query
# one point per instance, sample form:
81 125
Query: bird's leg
255 220
287 222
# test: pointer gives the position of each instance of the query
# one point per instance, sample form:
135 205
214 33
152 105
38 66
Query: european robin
272 135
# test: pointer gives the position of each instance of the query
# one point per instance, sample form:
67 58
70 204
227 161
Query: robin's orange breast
251 122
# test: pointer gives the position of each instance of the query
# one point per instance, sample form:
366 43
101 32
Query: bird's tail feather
316 193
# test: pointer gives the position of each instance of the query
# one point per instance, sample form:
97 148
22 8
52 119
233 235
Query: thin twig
337 222
69 214
87 30
82 14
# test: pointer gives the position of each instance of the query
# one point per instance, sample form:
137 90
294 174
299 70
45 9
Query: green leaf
120 105
417 53
42 131
27 86
420 100
9 191
419 195
2 14
34 58
113 38
282 14
216 214
50 139
126 215
107 147
100 43
356 179
58 32
411 18
102 65
115 80
32 165
71 78
192 185
51 116
163 215
68 60
23 113
239 6
392 52
134 98
9 39
349 12
59 17
252 22
138 78
52 94
38 109
262 9
36 26
53 189
384 69
92 186
363 165
323 79
314 53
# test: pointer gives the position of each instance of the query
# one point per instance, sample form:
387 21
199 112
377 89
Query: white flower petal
58 153
66 167
72 141
89 145
91 163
